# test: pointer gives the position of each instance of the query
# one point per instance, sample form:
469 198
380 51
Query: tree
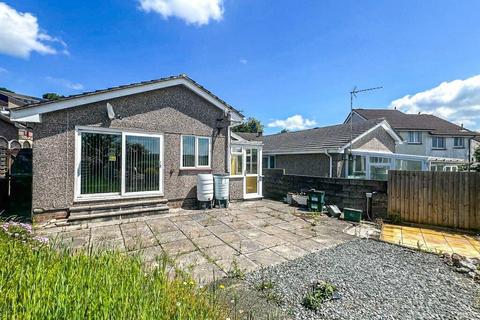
6 90
476 154
52 96
251 125
284 131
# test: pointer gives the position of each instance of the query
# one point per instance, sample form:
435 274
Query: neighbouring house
445 145
361 150
134 149
14 133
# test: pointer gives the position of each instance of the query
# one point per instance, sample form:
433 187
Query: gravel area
376 280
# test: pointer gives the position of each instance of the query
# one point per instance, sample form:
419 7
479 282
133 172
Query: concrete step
117 204
120 213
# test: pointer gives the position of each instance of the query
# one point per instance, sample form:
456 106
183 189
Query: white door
252 183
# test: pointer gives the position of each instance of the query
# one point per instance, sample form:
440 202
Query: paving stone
207 241
206 273
106 233
189 260
289 251
211 221
259 223
181 218
230 237
252 233
246 246
138 237
161 225
170 236
150 254
243 263
219 252
108 245
269 241
178 247
265 257
309 245
196 232
219 229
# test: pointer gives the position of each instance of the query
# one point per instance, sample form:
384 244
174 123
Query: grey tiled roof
250 136
331 137
132 85
19 99
405 121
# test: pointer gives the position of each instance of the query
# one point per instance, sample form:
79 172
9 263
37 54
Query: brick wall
342 192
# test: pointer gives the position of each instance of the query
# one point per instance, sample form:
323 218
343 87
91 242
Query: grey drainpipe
330 173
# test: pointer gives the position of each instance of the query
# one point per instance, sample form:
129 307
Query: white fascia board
312 151
21 114
36 118
236 136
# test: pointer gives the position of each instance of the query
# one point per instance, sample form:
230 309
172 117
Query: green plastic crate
353 215
316 200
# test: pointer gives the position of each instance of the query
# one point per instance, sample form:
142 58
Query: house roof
250 136
35 109
405 121
19 99
318 139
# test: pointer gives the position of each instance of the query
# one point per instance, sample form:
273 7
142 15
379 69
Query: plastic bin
353 215
316 200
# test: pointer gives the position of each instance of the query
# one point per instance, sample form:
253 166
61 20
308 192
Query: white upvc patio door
252 168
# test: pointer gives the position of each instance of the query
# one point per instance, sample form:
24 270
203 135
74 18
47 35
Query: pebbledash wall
171 111
345 193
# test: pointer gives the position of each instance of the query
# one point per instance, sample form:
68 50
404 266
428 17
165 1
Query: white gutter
330 173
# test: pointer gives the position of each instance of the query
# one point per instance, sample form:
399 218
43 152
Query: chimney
259 133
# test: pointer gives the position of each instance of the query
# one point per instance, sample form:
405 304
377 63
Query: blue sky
270 59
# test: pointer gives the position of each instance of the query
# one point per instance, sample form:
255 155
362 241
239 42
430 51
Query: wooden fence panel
447 199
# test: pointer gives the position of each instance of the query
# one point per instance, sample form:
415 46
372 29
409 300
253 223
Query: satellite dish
110 112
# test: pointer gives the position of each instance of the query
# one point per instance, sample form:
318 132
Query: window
458 142
410 165
438 143
236 162
195 152
356 167
251 161
117 163
380 160
268 162
414 137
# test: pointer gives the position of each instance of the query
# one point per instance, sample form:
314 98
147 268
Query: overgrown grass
37 282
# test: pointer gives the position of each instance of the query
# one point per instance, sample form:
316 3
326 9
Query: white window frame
461 146
114 195
196 166
436 147
414 134
237 153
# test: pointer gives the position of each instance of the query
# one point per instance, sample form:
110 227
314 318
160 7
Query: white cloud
65 83
20 34
3 70
243 61
457 101
296 122
197 12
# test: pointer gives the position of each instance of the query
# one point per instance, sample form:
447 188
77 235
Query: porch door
252 184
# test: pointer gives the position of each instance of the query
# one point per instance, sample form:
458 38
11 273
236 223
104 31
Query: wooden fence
447 199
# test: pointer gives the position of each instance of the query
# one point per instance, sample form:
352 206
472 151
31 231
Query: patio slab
431 239
252 234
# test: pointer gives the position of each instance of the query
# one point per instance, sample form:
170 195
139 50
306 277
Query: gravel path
376 281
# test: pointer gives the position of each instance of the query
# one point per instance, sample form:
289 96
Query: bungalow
445 144
363 150
134 149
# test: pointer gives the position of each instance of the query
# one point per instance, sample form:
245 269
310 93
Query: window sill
458 147
414 143
196 169
439 149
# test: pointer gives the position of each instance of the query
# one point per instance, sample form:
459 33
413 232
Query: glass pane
100 163
142 164
251 185
251 161
356 167
188 152
272 162
379 173
237 165
265 163
203 151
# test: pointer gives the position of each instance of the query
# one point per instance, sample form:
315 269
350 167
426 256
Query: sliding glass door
117 163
